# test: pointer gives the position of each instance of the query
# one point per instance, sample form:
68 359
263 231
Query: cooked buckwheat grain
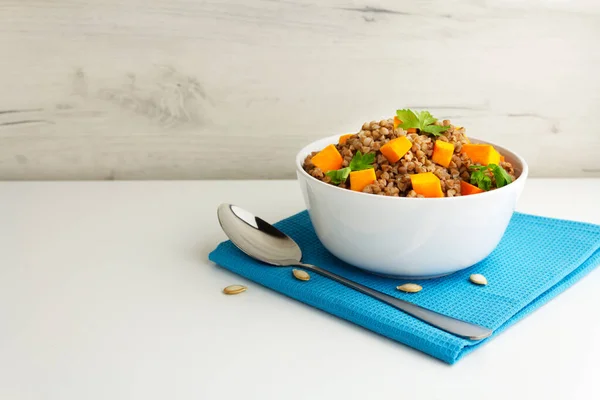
393 179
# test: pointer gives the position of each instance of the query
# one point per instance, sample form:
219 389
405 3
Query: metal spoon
265 243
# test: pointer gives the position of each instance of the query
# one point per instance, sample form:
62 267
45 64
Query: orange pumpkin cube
442 153
397 122
328 159
360 179
343 138
427 184
483 154
467 189
395 149
498 155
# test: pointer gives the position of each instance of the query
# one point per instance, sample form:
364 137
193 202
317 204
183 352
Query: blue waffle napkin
536 260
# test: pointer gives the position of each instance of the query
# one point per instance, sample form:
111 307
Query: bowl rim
301 155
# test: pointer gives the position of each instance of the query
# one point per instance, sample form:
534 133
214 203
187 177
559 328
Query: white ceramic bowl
409 237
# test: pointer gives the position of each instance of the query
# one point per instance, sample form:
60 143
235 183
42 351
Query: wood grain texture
182 89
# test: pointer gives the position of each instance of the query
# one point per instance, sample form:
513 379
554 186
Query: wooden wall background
190 89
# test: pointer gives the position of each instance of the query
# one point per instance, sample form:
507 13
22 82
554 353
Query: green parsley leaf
421 120
502 177
338 176
409 119
360 161
435 130
479 178
426 118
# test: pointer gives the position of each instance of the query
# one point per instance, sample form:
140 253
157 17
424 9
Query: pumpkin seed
234 289
301 275
409 288
478 279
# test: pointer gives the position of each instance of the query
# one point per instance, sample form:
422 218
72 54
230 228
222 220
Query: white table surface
106 293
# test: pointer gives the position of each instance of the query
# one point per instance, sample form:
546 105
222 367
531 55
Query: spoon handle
451 325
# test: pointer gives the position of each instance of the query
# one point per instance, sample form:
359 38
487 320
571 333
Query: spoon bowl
257 238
